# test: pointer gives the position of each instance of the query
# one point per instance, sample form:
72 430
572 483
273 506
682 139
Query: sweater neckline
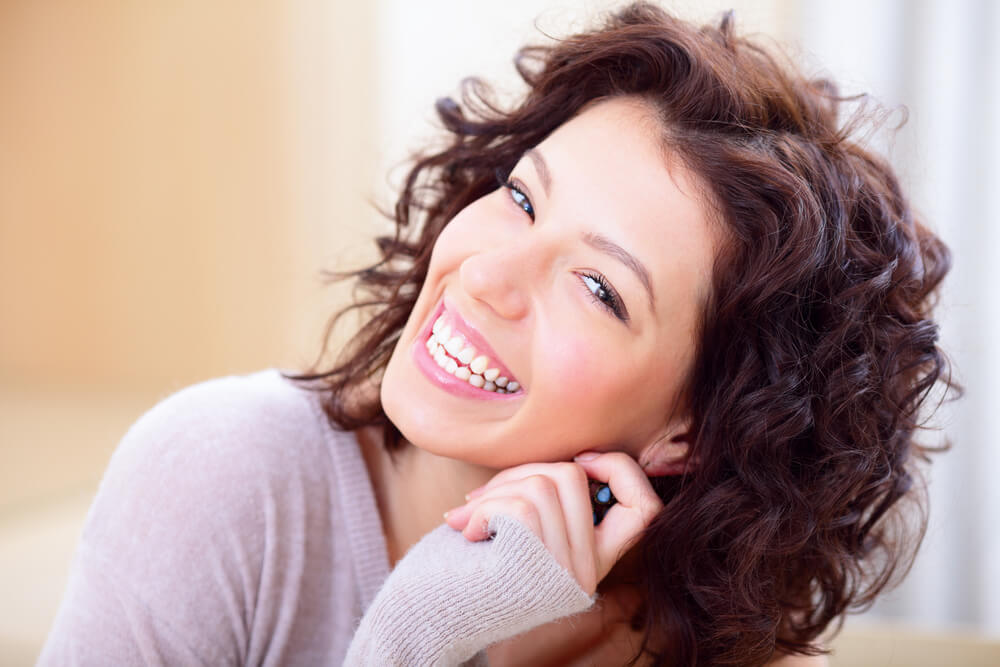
356 498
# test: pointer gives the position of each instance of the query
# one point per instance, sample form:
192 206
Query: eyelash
515 190
613 304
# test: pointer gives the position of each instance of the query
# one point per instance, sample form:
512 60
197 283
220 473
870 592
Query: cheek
604 393
583 401
587 378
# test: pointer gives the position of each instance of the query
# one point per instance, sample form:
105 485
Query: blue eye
516 190
603 293
520 198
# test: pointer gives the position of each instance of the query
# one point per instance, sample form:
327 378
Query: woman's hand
553 501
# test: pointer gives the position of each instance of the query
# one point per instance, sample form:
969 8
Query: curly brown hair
817 349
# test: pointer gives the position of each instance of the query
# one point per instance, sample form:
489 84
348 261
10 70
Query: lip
446 380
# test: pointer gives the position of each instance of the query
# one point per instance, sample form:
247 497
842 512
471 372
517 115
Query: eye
517 194
602 292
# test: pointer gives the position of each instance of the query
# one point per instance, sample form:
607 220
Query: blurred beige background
174 176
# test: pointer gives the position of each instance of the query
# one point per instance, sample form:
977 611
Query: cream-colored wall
172 178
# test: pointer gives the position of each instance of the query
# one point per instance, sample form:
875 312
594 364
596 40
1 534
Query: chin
424 430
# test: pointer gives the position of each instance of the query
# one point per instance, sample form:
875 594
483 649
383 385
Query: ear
668 454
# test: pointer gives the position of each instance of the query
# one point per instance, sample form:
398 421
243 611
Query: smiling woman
667 270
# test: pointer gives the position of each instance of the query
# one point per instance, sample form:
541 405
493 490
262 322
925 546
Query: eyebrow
597 241
542 169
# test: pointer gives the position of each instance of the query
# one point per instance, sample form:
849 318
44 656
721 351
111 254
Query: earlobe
668 454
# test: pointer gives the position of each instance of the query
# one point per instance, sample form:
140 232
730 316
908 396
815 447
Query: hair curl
817 349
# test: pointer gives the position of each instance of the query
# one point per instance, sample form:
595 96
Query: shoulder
236 423
211 459
230 410
199 533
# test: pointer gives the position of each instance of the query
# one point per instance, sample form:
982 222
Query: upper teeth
454 346
466 355
479 364
452 353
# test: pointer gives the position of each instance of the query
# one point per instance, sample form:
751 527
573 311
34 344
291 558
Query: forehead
612 173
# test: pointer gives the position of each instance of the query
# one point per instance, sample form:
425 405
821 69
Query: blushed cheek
587 374
608 396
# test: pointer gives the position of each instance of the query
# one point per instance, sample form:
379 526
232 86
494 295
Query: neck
413 488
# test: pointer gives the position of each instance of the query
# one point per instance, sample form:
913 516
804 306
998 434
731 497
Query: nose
502 278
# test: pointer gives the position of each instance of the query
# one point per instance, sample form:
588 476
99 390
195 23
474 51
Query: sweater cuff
450 598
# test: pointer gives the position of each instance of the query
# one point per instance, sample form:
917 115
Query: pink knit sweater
235 527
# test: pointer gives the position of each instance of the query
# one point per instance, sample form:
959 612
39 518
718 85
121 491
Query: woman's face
579 285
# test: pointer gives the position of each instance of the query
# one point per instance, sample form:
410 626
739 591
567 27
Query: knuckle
477 514
541 486
537 482
649 507
521 509
572 473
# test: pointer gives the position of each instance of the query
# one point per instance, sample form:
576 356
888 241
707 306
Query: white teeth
446 348
467 355
454 346
479 364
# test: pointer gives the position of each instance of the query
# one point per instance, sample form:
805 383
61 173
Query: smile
456 355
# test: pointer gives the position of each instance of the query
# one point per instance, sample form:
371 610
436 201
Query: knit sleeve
449 598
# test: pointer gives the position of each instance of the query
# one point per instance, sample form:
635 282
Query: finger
542 494
626 479
574 497
637 505
550 523
570 479
475 493
519 509
519 472
457 517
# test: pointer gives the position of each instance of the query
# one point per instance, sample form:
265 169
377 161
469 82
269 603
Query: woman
669 270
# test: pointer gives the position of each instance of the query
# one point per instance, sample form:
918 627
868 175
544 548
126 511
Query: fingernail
445 515
586 456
